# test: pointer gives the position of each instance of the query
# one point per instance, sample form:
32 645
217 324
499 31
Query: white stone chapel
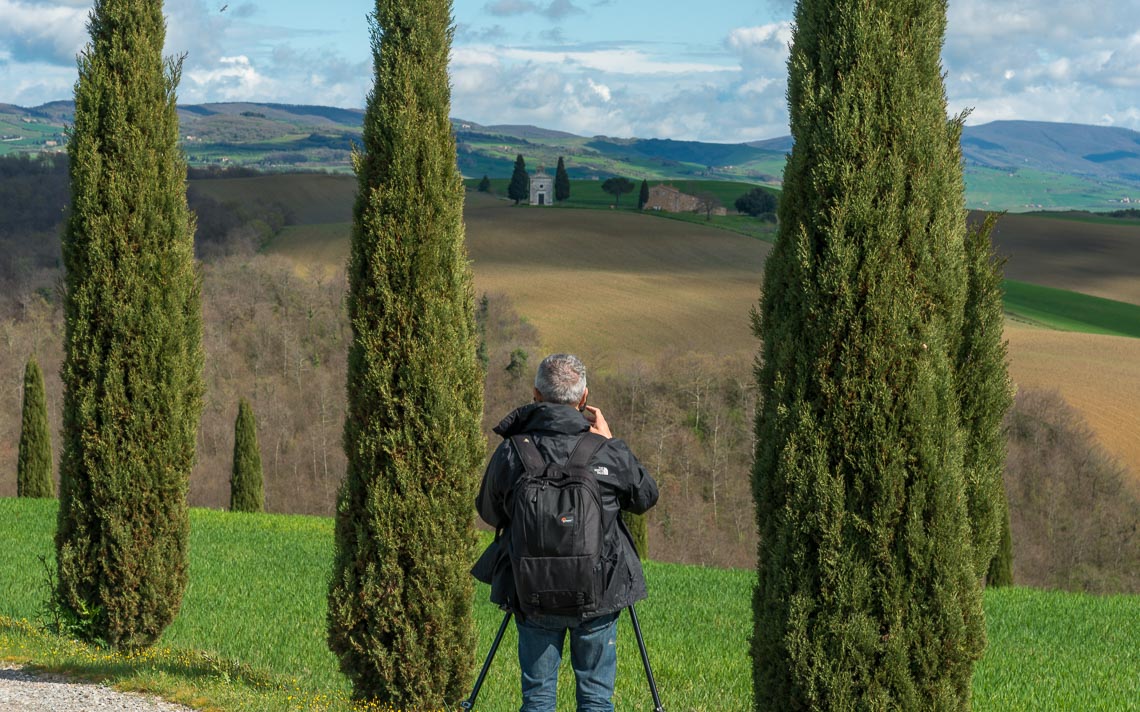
541 188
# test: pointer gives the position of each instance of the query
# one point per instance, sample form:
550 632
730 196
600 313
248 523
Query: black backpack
556 531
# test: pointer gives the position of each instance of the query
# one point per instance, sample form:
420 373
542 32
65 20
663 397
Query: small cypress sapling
1001 566
636 523
485 184
247 492
33 466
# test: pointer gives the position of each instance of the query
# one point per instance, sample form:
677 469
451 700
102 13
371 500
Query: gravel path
22 691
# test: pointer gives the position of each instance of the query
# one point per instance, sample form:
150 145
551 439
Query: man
555 422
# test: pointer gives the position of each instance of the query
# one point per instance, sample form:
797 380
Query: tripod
469 703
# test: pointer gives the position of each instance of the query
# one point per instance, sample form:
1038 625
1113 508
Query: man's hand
597 421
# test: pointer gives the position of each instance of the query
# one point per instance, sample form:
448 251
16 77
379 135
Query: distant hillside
1102 151
1010 165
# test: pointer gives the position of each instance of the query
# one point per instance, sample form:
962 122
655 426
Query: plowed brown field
1088 257
617 286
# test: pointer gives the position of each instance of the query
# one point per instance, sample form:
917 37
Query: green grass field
251 631
1070 311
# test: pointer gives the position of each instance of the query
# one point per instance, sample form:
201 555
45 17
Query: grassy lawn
1071 311
251 631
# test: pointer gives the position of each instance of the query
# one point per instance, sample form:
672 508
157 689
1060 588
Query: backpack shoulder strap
531 457
588 446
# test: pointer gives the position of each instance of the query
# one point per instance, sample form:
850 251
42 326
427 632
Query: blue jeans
593 653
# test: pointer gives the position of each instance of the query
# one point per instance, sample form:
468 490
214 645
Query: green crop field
1070 311
1029 189
251 631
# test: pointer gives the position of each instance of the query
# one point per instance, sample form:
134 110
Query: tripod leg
469 703
645 661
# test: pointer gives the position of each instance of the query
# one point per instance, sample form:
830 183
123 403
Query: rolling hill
1010 165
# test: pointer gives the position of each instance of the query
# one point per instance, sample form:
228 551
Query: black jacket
622 481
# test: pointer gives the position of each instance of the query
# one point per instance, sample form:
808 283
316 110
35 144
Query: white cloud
1044 60
554 10
36 32
765 38
231 79
600 89
615 61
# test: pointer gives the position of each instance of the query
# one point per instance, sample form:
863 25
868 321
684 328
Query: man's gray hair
561 378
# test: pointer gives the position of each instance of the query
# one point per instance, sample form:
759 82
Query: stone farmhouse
668 199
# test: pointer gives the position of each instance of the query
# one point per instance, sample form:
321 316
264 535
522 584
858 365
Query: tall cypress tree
247 493
519 187
866 594
400 599
132 370
643 194
33 466
561 182
986 394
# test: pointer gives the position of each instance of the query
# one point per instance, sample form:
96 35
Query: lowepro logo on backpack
556 530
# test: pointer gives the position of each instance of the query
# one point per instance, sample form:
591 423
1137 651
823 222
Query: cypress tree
636 523
986 394
866 594
33 466
561 182
1001 566
643 196
132 370
400 599
519 187
246 487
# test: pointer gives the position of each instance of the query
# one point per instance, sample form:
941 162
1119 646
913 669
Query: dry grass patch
618 286
1098 375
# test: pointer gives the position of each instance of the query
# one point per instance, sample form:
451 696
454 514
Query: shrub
756 202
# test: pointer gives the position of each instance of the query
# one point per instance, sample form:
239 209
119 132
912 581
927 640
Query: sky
708 70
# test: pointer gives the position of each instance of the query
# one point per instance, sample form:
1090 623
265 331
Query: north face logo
601 470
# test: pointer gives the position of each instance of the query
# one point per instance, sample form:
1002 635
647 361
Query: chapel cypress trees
519 187
866 595
133 357
561 182
400 598
33 464
246 483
